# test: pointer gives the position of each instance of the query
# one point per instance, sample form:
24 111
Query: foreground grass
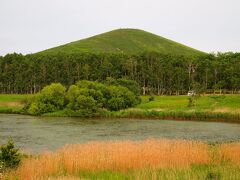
207 108
148 159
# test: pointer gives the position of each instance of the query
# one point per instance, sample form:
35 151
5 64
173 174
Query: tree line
155 73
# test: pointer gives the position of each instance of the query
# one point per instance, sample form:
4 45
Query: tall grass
115 156
231 152
175 115
159 156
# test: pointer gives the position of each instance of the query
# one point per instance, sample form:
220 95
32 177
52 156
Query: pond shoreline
212 108
146 114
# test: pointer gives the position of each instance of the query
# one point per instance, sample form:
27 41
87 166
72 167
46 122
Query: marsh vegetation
149 159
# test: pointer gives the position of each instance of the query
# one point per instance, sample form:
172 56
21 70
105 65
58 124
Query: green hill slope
130 41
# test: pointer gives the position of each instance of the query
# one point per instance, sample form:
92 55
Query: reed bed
115 156
176 115
149 158
231 152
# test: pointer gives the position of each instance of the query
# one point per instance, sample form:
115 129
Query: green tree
9 155
50 99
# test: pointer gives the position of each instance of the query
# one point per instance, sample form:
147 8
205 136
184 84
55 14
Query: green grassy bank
206 108
197 172
209 172
212 107
12 103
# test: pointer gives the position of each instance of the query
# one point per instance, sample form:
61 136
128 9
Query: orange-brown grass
11 104
231 152
115 156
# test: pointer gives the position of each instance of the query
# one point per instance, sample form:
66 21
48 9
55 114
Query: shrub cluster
50 99
9 156
85 98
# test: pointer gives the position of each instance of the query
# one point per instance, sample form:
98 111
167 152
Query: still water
37 134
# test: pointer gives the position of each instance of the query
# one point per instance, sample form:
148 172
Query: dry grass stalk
116 156
231 152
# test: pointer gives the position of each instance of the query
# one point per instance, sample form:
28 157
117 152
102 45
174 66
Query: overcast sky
28 26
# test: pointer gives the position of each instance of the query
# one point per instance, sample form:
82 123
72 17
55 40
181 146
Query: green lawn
208 172
12 103
207 108
224 171
217 103
13 97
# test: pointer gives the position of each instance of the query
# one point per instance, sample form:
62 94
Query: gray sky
28 26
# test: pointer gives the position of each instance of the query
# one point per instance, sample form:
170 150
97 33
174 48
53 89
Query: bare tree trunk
144 87
158 88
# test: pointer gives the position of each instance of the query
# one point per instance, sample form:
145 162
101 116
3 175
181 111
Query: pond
36 134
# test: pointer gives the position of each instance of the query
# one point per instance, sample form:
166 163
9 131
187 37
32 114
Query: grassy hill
130 41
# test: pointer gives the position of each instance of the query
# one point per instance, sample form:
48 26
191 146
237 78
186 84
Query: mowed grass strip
154 159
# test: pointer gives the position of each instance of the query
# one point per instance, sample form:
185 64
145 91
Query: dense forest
156 73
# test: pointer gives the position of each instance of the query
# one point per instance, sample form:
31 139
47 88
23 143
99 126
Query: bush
120 98
50 99
111 97
191 101
85 102
95 94
115 104
85 98
151 98
9 156
130 84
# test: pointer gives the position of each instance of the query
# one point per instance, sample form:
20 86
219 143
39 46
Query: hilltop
129 41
